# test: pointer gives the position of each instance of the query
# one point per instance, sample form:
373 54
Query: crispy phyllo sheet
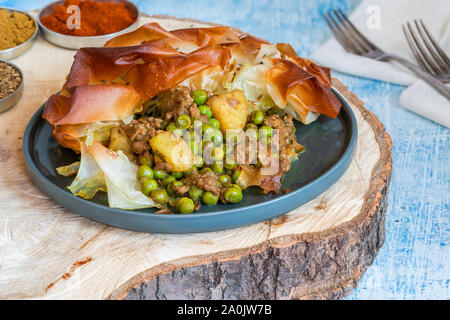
92 103
112 83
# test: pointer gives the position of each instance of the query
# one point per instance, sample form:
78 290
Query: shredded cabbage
250 79
89 179
69 170
102 169
122 185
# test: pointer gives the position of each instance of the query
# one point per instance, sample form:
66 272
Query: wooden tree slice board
319 250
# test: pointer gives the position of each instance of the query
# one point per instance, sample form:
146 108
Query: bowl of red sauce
75 24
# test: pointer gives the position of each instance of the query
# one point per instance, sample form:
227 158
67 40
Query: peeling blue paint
414 262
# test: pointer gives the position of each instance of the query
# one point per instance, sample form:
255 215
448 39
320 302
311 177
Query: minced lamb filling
175 111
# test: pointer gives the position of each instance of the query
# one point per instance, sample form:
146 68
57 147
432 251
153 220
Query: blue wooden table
414 262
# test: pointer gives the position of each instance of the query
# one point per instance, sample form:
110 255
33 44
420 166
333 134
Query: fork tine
437 58
349 39
415 52
339 35
424 55
436 46
350 31
343 17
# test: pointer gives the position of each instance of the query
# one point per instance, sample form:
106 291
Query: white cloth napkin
386 32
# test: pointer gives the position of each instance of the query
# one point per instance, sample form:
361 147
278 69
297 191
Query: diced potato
231 109
119 140
173 150
102 135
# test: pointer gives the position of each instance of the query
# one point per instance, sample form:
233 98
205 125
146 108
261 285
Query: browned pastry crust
111 83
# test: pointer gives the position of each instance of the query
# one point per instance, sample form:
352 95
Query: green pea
265 139
195 192
148 161
230 166
266 131
171 127
217 154
214 123
207 130
191 171
257 117
217 168
199 161
236 175
160 195
184 121
217 137
206 171
177 184
185 205
233 195
178 132
173 202
236 186
145 171
251 126
194 147
207 145
177 175
159 174
205 110
168 180
209 198
224 179
171 186
148 185
199 97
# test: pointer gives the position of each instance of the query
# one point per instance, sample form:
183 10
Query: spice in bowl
96 18
15 28
10 79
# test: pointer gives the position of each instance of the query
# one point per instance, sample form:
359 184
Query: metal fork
354 42
435 61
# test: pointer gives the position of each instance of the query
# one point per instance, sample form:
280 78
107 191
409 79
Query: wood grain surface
49 252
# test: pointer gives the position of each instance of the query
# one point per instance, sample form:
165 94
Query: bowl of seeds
11 85
18 31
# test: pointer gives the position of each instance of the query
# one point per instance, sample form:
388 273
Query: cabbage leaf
102 169
89 179
69 170
120 173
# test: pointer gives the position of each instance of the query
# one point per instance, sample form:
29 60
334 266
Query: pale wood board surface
49 252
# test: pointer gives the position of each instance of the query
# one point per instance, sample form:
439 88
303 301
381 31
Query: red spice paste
97 18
